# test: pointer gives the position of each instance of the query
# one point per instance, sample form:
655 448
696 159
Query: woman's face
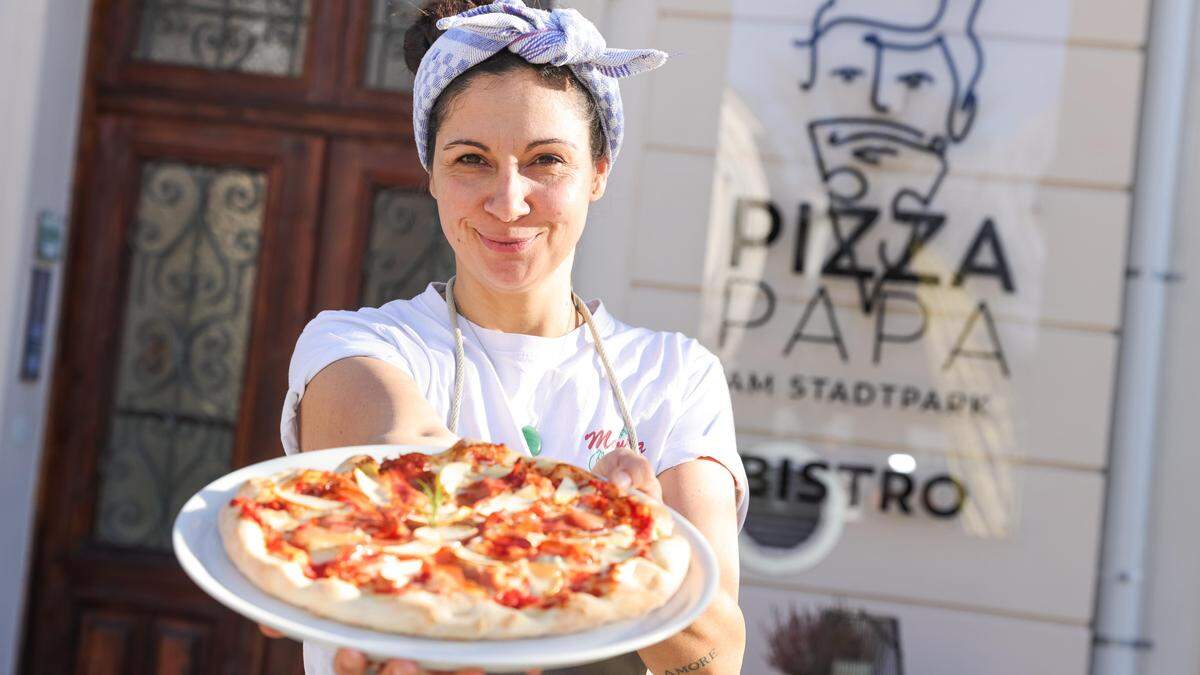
513 176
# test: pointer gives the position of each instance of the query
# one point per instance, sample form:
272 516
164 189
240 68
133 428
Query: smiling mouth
507 244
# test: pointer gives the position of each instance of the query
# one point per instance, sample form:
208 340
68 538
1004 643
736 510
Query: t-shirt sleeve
704 426
334 335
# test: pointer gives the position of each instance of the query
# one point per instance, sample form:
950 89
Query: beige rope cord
460 359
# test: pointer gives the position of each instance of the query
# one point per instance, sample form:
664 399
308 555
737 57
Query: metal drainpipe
1119 641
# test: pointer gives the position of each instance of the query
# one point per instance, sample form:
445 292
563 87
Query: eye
467 159
554 159
847 74
915 80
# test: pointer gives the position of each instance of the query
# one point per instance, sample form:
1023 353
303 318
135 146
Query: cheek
567 205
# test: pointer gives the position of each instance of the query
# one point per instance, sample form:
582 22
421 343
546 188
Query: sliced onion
612 556
545 464
502 502
474 557
452 517
495 470
621 535
310 502
371 488
415 548
279 521
444 533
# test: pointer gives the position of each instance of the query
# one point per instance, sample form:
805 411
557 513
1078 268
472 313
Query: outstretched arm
362 401
703 491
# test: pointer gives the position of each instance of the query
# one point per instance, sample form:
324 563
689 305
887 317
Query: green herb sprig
436 494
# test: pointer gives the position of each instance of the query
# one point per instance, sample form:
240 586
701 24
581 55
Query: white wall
40 79
1052 156
604 264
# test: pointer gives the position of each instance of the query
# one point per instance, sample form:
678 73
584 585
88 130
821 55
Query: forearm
713 645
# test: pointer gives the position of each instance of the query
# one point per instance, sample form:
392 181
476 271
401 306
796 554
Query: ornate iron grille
185 331
406 249
266 37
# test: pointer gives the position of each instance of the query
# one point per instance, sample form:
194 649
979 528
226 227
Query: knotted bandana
561 37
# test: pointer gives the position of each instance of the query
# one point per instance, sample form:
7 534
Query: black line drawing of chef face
904 88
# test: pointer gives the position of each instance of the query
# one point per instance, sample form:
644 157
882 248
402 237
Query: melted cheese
397 570
453 475
324 555
567 491
545 578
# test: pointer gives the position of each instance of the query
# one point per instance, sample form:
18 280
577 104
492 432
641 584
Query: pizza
477 542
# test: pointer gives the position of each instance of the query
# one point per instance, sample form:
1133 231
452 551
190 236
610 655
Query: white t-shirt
674 387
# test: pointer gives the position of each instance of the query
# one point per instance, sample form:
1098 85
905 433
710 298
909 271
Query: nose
885 96
508 198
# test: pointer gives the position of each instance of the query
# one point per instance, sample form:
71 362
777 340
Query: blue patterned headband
562 37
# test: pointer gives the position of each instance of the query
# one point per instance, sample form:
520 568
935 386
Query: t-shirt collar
499 341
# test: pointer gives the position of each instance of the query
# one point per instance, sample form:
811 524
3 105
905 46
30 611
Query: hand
350 662
626 468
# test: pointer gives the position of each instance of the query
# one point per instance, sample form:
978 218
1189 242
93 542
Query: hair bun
421 34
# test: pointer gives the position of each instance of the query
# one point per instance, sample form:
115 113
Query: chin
508 275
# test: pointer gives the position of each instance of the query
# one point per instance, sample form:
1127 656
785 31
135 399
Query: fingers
405 667
626 469
349 662
269 632
400 667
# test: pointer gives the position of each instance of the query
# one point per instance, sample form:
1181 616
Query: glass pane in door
384 66
186 320
266 37
406 249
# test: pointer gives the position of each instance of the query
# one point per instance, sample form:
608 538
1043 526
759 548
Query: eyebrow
481 146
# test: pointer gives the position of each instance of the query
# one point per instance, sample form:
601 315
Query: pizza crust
642 585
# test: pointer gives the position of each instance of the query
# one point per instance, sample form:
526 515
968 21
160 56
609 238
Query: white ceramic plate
199 550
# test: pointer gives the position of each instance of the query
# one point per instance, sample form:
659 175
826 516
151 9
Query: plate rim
187 553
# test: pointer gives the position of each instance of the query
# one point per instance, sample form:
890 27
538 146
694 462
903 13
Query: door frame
71 568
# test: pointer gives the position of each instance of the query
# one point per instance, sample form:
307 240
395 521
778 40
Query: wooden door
243 164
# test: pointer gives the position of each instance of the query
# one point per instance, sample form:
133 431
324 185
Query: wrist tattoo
698 664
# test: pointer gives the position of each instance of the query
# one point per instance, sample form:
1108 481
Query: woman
518 120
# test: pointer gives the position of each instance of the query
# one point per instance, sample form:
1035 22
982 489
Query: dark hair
423 32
